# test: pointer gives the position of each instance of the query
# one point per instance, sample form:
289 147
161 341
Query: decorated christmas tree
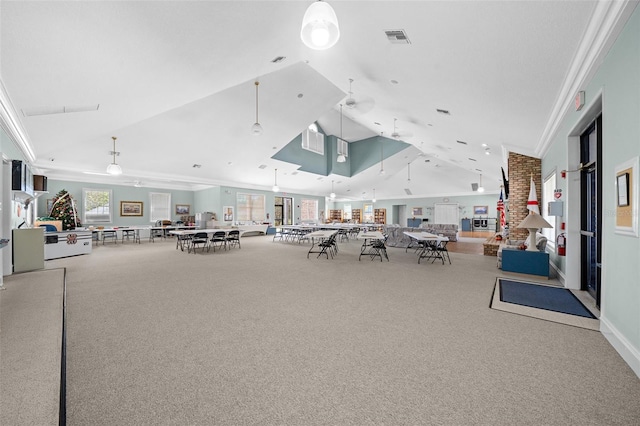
64 209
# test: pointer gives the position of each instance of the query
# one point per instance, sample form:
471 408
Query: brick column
521 168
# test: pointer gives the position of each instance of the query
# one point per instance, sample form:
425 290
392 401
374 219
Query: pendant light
481 188
275 187
408 172
381 156
341 157
333 194
320 28
256 129
114 168
373 200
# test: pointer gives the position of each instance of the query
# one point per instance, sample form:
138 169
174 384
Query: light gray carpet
265 336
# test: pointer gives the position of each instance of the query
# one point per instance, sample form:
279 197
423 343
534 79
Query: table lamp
533 222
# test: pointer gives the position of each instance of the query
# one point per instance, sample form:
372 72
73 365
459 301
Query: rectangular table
433 246
324 245
373 245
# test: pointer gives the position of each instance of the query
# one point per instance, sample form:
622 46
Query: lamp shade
341 158
114 169
533 222
320 28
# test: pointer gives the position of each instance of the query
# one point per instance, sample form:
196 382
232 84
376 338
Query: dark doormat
551 303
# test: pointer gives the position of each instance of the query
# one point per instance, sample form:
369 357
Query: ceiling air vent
30 112
262 166
443 111
462 142
397 36
408 191
278 59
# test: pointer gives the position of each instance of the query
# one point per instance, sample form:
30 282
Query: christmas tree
64 209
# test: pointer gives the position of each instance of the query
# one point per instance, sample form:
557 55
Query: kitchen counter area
67 243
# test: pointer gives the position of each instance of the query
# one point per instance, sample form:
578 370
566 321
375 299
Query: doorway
591 209
283 211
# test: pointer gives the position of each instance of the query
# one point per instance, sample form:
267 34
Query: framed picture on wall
416 211
183 209
479 210
130 208
627 198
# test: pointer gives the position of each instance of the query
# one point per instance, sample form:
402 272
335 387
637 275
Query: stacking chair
380 247
328 247
109 234
155 233
441 251
343 234
219 238
233 238
198 239
183 240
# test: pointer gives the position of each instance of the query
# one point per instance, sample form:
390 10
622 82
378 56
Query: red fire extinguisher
561 243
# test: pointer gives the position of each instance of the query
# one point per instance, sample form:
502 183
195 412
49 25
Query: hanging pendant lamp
381 157
333 194
114 168
320 28
481 188
408 172
373 200
256 129
341 157
275 187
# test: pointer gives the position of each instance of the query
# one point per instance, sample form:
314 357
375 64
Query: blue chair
49 228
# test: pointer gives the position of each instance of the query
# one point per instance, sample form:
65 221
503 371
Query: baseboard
558 272
626 350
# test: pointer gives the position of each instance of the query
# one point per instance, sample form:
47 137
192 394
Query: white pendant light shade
256 129
481 188
341 158
114 168
373 200
320 28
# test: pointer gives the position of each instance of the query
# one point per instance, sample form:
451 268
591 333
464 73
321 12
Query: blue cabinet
466 225
414 223
526 262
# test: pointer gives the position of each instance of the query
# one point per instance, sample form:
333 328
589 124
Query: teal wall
367 152
618 80
120 193
466 204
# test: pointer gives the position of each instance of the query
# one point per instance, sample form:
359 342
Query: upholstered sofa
448 230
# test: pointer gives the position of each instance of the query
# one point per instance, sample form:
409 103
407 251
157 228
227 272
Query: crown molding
606 23
11 124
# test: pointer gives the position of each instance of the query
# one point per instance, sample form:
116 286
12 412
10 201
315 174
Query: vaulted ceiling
174 82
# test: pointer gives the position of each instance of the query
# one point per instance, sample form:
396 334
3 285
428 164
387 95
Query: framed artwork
627 198
183 209
130 208
416 211
479 210
227 213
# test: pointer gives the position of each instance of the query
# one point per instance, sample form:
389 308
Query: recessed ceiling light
487 153
484 145
300 95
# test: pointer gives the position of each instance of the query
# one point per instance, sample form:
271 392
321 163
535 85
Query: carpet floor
264 336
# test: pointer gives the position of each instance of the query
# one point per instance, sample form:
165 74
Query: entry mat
543 301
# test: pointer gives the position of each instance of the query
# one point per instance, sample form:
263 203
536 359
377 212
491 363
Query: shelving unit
356 215
335 215
380 216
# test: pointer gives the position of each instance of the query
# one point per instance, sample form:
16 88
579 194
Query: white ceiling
175 83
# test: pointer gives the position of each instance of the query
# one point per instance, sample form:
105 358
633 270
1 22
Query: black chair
109 234
199 239
219 238
329 246
233 238
183 240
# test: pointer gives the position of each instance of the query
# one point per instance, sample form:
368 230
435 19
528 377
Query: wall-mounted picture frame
416 211
227 213
480 210
131 208
183 209
627 198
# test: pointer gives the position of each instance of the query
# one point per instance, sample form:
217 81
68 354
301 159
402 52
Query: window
548 188
347 212
367 213
309 210
160 206
312 140
251 207
97 205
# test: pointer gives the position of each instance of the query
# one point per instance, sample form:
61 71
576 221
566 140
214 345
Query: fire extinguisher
561 243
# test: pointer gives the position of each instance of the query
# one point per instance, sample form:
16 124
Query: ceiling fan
363 105
397 134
